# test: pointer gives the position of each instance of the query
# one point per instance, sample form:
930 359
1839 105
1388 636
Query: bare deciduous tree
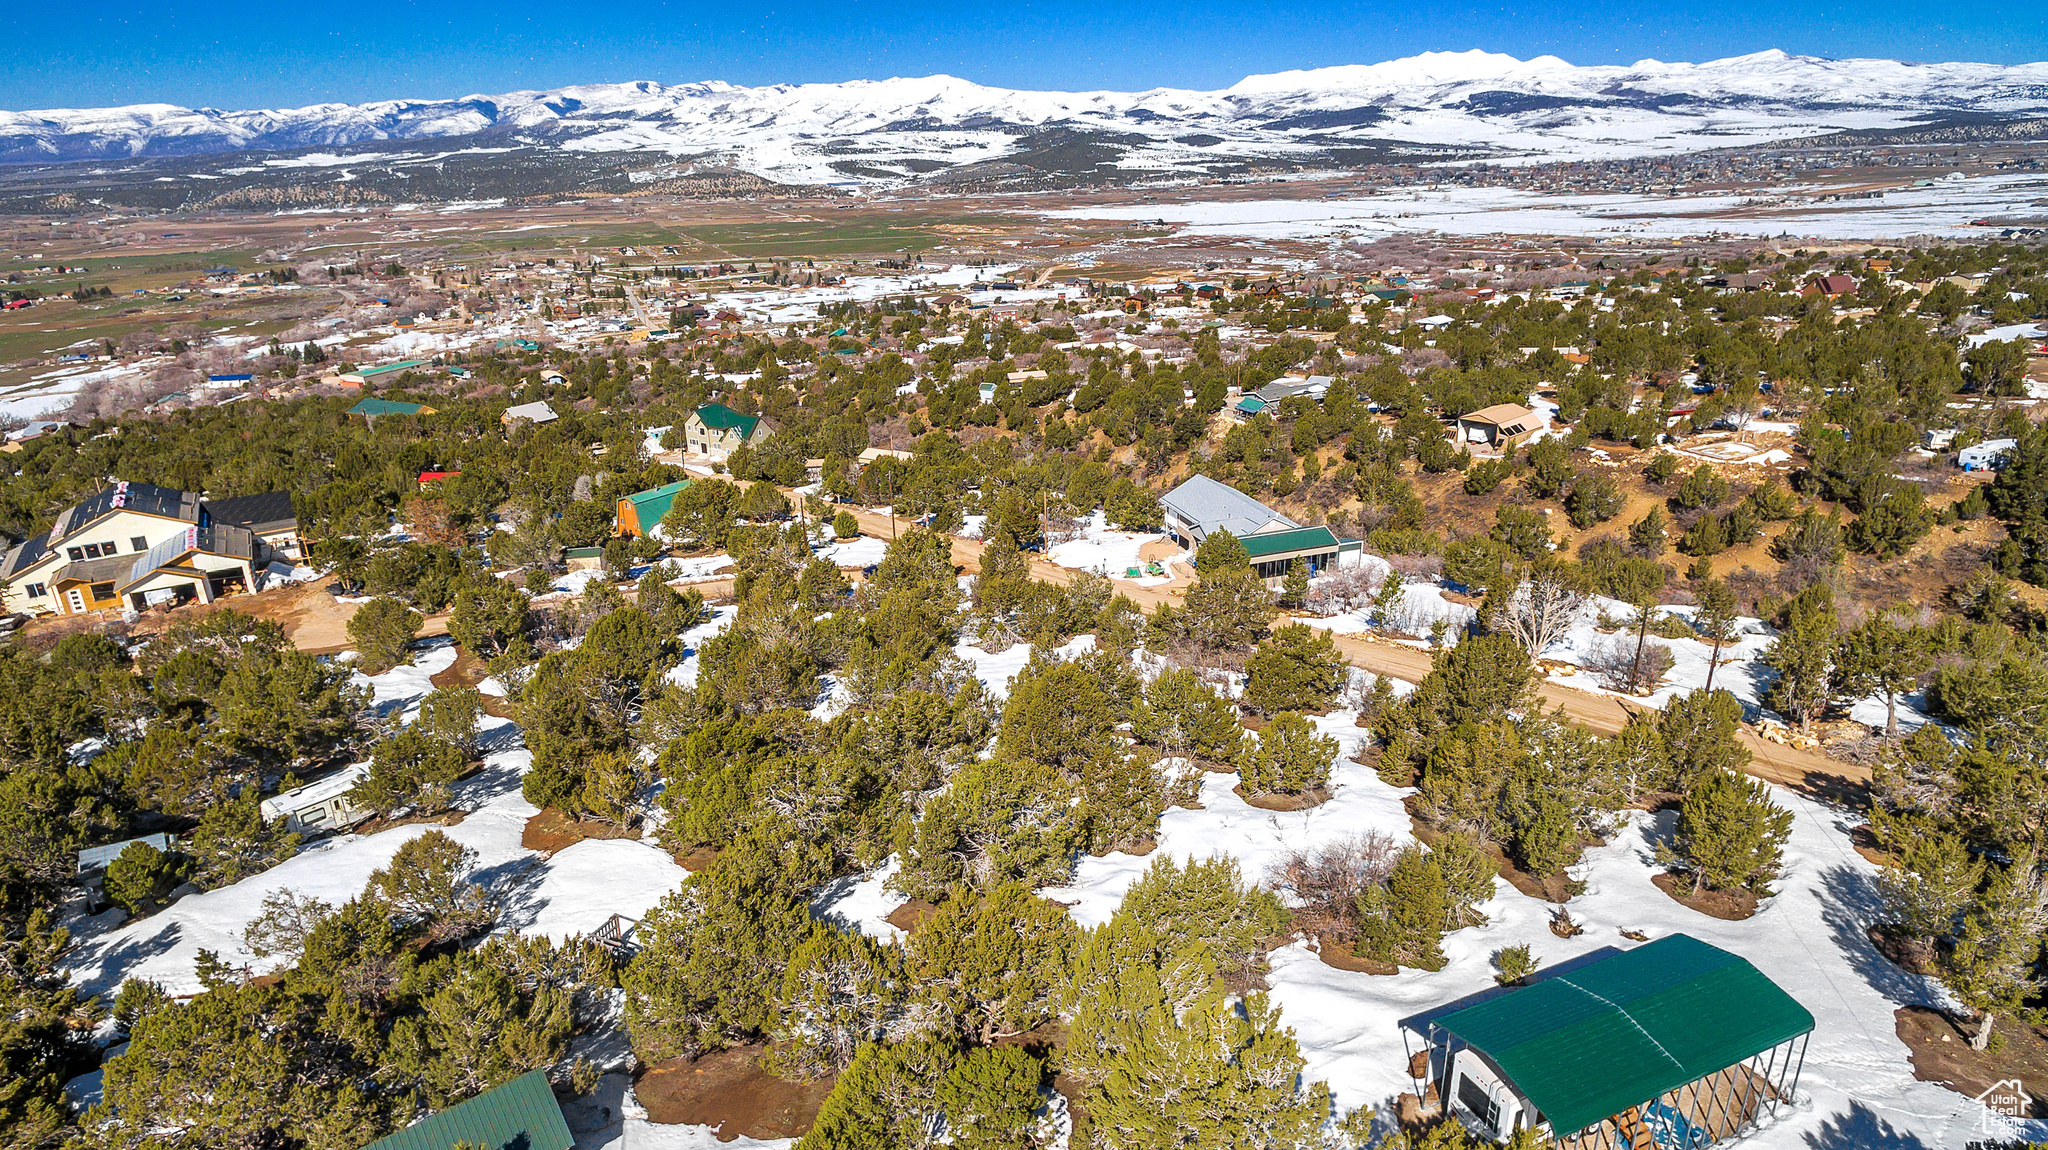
1541 610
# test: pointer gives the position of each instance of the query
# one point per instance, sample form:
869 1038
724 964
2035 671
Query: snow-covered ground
1741 670
1857 1089
1944 207
1106 551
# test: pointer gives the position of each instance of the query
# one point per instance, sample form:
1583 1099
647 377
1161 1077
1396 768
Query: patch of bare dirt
468 671
1913 954
551 830
911 915
697 859
731 1092
444 819
1941 1054
1865 842
1728 905
1337 955
1280 802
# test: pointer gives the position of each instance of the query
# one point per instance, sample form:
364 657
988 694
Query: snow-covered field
1944 208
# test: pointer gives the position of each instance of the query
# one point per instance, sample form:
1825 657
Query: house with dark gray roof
138 545
1201 506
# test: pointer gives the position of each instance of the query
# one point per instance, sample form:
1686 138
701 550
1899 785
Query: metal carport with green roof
1675 1045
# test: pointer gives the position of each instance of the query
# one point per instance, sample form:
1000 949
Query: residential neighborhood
1057 649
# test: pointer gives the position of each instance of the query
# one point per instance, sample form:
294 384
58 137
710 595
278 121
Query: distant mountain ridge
1468 104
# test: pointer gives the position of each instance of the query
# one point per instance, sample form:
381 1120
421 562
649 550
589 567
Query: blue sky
240 54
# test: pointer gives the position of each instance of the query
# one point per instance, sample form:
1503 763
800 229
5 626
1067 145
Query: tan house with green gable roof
715 431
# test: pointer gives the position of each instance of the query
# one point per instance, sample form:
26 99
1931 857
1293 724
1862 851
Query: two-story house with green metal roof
714 431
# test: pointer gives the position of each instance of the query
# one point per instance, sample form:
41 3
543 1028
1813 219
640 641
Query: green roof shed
520 1115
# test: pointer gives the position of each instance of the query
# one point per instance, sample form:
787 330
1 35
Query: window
76 553
37 590
1474 1098
139 543
102 591
92 551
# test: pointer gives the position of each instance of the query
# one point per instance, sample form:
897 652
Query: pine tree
1804 655
1402 921
1698 731
1289 757
1167 1060
1929 888
994 963
1185 718
429 881
1715 620
409 771
1297 668
381 630
842 990
1294 588
141 876
1882 658
1730 833
1992 967
1386 602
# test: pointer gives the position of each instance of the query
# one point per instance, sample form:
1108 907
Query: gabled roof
1211 506
1588 1044
1510 418
222 539
723 418
94 858
25 555
520 1115
141 498
651 506
538 412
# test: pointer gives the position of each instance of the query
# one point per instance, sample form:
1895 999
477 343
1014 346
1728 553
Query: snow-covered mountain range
1440 103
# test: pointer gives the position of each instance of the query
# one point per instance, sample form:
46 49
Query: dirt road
1808 771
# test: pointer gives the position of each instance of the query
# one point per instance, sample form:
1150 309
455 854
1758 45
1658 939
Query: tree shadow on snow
116 956
515 886
1849 904
1861 1129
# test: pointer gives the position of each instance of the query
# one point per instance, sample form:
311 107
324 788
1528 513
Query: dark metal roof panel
520 1115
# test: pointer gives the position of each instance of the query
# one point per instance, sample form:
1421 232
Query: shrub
1487 474
381 630
1514 963
1296 669
140 876
1326 882
1613 661
1593 499
845 526
1288 757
